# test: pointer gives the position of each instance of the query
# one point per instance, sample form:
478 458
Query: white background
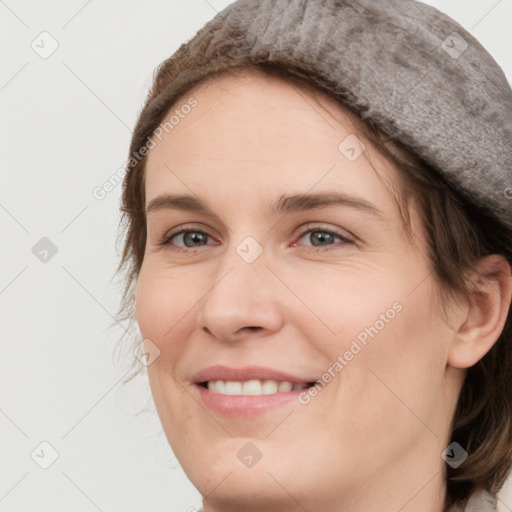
66 124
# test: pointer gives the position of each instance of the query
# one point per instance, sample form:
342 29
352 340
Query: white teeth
220 386
253 387
232 388
269 387
285 386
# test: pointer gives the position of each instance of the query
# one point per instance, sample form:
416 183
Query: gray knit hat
416 73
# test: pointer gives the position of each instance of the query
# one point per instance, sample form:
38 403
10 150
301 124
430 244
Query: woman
318 250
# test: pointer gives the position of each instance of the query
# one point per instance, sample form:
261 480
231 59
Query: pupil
322 237
193 236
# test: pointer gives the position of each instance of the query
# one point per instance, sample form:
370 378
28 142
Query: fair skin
372 438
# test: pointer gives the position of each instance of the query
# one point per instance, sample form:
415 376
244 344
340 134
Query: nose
243 300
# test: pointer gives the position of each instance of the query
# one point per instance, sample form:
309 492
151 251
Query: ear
485 314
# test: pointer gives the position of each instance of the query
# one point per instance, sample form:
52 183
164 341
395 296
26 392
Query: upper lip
221 372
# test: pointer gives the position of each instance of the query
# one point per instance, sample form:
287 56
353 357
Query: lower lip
245 405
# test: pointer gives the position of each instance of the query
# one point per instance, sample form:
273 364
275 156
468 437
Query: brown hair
458 236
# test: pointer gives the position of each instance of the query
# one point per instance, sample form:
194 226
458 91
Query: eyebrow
283 205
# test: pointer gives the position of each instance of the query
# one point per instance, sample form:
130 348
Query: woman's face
294 269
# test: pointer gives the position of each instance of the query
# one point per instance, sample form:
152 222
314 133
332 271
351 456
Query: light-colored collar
480 501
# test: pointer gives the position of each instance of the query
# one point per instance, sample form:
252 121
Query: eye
323 238
191 238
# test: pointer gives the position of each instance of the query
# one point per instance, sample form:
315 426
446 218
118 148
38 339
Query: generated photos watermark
357 345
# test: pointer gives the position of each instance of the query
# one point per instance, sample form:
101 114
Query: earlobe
487 310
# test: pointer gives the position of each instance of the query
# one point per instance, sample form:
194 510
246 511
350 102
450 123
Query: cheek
358 302
164 311
164 308
391 340
397 378
165 301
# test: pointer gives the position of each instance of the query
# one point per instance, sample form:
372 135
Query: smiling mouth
254 387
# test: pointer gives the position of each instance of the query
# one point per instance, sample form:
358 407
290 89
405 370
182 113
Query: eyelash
166 241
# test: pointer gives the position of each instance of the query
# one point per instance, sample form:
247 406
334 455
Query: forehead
261 133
